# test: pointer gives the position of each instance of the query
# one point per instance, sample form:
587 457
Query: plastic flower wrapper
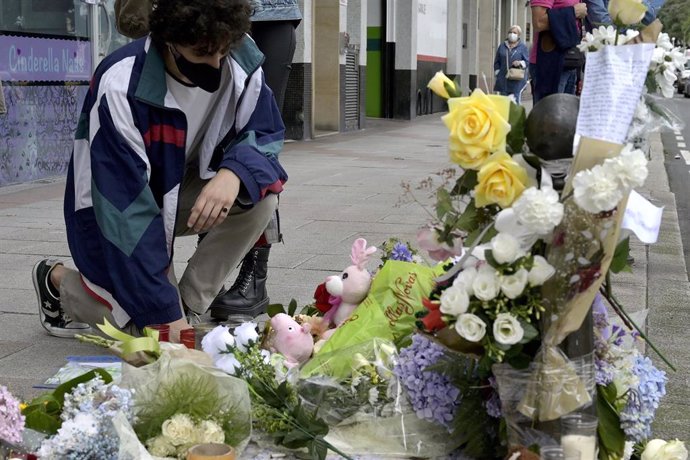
87 429
581 251
388 312
184 381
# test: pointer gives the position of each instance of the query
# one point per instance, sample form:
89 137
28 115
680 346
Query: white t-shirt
198 105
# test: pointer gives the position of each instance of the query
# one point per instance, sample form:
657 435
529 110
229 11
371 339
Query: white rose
217 341
208 431
658 449
506 248
179 429
454 301
629 168
514 285
596 191
228 363
539 210
627 11
245 334
486 284
160 447
470 327
465 279
540 272
507 329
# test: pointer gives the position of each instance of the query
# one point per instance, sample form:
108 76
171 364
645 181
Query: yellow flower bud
478 126
627 11
500 181
437 84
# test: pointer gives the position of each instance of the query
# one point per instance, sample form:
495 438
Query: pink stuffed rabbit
352 286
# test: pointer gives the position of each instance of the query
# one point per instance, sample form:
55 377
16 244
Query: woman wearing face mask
511 54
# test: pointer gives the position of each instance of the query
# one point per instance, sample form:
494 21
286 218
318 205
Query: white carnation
540 272
629 168
217 341
454 301
465 279
245 335
506 248
514 285
470 327
596 191
486 284
160 447
539 210
507 329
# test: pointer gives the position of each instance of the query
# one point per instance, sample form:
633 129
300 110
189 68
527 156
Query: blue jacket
598 13
275 10
128 162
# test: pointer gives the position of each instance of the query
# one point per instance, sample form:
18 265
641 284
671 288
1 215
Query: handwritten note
642 218
614 77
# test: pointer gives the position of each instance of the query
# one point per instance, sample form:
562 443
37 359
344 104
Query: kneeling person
179 135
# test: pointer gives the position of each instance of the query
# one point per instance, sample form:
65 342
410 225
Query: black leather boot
248 295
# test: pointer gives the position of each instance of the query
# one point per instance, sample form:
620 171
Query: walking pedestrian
510 64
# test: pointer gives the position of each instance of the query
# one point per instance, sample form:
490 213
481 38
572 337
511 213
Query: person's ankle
55 278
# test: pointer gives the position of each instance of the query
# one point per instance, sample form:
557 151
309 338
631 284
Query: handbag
573 58
514 73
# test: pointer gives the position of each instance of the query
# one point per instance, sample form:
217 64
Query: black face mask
204 76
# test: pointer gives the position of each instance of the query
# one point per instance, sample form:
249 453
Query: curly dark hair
206 25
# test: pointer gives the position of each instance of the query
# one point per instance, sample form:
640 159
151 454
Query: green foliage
619 263
516 137
195 395
43 413
276 308
675 15
278 409
611 435
472 426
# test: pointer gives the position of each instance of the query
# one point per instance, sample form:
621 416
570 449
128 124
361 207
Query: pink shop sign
34 59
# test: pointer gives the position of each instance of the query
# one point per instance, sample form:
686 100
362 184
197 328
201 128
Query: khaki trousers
215 258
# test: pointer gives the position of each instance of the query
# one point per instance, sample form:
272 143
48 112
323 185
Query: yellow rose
500 181
478 126
438 84
627 11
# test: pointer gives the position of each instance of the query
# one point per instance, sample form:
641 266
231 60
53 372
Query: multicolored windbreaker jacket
129 160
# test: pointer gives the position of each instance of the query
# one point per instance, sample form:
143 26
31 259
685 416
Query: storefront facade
47 53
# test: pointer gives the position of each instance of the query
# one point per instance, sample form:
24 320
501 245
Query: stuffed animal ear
360 253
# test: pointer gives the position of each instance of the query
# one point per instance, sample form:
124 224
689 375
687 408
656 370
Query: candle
211 452
585 446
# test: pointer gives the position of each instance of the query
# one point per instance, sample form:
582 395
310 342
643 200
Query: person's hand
580 10
214 202
176 327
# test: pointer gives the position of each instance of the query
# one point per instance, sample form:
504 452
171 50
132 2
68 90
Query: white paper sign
642 218
614 77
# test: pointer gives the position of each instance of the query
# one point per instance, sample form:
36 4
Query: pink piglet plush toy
352 285
290 339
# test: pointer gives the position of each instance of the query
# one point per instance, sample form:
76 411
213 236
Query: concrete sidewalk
341 187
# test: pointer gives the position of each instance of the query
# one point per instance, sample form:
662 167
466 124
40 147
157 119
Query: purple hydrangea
401 252
493 404
11 418
431 394
643 401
